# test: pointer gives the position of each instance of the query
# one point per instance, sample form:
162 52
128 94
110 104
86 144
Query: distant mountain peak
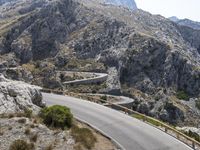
125 3
186 22
174 18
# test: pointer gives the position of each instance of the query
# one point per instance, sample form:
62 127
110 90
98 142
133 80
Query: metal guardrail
178 135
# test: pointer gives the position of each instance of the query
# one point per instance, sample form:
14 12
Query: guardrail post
126 112
177 136
193 145
165 129
144 118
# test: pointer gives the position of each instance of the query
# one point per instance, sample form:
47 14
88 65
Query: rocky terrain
186 22
16 96
20 121
39 135
190 30
147 57
191 36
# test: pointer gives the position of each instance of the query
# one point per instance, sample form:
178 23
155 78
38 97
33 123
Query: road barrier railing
152 121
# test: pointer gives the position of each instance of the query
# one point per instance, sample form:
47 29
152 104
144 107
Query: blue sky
181 8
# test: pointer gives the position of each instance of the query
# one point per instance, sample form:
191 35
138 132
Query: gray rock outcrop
16 96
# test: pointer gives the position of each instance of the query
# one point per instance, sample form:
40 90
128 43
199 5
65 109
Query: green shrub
28 113
104 97
149 120
57 116
21 145
84 136
182 95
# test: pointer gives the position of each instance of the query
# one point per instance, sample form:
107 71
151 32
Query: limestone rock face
113 84
191 35
190 30
16 96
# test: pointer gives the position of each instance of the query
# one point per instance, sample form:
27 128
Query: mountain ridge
125 3
186 22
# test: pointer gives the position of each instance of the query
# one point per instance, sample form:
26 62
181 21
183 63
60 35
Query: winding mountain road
129 132
95 78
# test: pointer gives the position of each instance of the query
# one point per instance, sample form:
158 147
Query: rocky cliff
192 36
190 31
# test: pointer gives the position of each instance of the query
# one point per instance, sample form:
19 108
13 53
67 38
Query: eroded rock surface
16 96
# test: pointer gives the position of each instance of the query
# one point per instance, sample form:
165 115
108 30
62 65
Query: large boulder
16 96
18 73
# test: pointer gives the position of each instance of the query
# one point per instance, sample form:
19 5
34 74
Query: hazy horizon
182 9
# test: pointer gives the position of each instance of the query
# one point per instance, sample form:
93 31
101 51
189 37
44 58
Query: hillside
186 22
146 56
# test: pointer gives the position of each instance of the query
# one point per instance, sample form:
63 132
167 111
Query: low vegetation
30 67
151 121
49 147
57 116
89 88
182 95
34 138
104 97
84 137
192 135
27 113
88 65
27 131
21 145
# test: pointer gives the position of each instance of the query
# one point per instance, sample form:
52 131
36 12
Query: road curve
98 78
129 132
122 100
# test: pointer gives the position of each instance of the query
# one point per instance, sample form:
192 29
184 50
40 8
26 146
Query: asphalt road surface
129 132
